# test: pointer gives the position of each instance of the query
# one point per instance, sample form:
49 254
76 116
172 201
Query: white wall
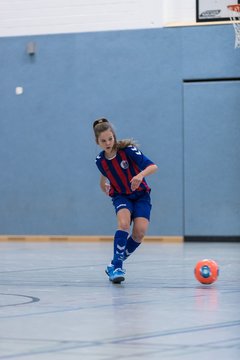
31 17
179 11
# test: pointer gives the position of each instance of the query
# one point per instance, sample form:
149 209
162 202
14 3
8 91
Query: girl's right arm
104 185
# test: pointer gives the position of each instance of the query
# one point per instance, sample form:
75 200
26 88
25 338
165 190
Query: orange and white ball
206 271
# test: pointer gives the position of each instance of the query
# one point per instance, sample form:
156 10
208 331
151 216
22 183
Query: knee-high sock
131 246
120 241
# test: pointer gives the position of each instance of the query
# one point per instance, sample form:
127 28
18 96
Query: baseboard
104 238
212 238
94 238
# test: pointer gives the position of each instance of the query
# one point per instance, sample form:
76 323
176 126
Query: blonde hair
101 125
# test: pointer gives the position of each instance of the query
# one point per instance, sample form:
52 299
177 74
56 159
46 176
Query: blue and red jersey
119 170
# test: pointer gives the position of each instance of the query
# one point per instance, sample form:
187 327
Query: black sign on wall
213 10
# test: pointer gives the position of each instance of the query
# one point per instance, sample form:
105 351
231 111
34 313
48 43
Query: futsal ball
206 271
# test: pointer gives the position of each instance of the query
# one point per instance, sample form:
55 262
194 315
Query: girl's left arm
136 180
150 169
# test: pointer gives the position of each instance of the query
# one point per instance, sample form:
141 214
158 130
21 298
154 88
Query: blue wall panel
208 52
50 184
212 158
49 181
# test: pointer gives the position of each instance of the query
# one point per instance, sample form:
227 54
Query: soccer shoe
109 270
117 276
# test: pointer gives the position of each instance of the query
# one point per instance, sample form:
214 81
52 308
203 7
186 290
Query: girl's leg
140 226
114 270
120 238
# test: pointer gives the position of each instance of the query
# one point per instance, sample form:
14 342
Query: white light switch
19 90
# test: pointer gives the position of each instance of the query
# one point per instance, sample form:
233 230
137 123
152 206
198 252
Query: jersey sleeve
138 157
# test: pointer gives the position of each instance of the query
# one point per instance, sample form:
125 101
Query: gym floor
57 303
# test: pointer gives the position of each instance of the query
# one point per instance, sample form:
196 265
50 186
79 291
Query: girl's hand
104 184
107 188
136 181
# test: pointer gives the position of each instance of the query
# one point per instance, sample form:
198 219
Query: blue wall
212 158
49 183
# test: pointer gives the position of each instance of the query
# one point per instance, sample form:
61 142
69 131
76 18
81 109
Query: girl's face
106 142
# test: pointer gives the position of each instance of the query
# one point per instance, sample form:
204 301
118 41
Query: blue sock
131 246
120 240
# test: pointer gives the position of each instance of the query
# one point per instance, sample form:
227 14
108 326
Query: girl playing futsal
123 170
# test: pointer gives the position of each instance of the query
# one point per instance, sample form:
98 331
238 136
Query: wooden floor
57 303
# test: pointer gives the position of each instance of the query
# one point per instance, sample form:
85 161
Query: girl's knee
124 219
138 235
139 229
124 225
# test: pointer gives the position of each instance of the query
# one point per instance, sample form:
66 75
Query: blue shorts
138 203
